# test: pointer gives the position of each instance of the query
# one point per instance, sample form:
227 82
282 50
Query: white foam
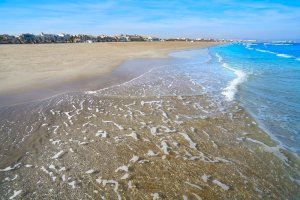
130 185
193 185
154 130
16 193
111 182
58 155
90 171
165 147
264 51
151 153
282 55
197 196
249 46
275 150
155 196
133 135
232 88
114 123
122 168
102 134
220 184
134 159
51 167
125 176
72 184
278 44
205 177
10 168
189 140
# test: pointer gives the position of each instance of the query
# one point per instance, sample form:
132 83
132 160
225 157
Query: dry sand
48 65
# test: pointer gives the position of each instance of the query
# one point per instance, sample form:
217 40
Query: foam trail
232 88
282 55
276 44
248 46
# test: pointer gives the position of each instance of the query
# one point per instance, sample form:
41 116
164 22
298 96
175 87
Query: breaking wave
282 55
232 87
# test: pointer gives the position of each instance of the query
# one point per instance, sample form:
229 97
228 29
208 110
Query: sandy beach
25 68
157 136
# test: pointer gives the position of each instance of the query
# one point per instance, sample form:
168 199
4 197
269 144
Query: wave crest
282 55
230 91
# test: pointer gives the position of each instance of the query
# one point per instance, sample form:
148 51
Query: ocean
264 78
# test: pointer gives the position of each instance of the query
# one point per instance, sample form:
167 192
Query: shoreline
269 140
128 141
53 86
65 134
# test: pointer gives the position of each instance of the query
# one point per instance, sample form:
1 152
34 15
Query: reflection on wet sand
158 136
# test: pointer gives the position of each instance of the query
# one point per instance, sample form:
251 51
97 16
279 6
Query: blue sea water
263 77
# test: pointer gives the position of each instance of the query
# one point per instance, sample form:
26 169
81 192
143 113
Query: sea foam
282 55
232 88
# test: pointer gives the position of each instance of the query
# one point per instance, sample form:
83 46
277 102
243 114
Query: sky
229 19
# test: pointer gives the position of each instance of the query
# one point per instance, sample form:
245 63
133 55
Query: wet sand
31 72
158 136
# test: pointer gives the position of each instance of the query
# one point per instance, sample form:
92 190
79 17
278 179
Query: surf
232 88
282 55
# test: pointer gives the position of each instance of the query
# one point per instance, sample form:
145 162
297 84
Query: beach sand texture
45 65
155 137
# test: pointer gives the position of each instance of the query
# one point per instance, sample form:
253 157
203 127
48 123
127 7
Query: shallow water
263 78
160 134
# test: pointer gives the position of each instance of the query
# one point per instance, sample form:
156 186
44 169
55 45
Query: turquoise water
263 77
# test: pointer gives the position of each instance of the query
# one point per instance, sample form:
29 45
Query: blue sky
277 19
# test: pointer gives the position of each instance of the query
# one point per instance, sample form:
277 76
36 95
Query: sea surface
262 77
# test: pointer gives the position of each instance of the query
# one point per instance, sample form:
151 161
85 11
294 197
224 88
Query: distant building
135 38
106 38
151 39
9 39
123 38
28 38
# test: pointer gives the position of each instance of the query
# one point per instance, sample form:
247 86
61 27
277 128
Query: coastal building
28 38
135 38
151 39
123 38
106 38
9 39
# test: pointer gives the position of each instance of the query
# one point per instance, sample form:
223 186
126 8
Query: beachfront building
81 38
151 39
28 38
123 38
106 38
9 39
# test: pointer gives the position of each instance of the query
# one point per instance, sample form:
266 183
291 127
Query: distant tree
72 39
